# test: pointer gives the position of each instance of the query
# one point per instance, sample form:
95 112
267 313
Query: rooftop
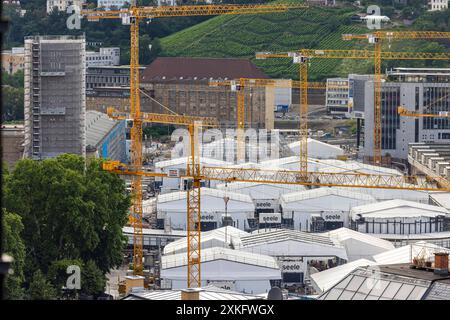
343 234
279 235
322 192
217 253
406 253
214 237
183 160
326 279
97 127
397 209
201 68
380 283
179 195
442 199
206 293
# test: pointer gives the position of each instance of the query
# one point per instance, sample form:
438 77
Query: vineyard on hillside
242 36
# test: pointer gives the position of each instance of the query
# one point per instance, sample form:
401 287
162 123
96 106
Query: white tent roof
343 234
180 195
318 148
391 194
213 254
328 165
397 209
278 235
183 160
326 279
216 236
206 293
321 192
442 198
406 253
265 190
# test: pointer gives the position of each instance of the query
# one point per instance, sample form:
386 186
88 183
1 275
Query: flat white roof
180 195
343 234
397 209
322 192
216 253
326 279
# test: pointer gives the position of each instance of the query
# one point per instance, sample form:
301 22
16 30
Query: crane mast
377 38
133 16
304 55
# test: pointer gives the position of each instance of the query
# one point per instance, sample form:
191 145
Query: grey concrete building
108 76
416 89
55 102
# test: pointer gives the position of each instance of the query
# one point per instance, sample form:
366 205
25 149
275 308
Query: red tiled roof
202 68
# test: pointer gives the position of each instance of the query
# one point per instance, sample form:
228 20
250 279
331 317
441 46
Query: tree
13 245
13 107
40 288
57 273
70 210
93 281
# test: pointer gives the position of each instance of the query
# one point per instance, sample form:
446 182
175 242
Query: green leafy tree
70 210
93 281
40 288
13 107
57 272
13 245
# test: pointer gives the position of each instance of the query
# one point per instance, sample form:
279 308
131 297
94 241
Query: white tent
406 253
209 239
331 204
176 167
318 149
359 245
239 271
239 207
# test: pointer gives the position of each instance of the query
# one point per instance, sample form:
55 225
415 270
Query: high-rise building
55 102
421 90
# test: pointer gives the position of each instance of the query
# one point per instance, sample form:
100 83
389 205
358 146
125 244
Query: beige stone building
12 137
182 84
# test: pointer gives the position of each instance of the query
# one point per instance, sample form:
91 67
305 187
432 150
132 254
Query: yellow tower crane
377 38
132 16
303 56
402 111
193 228
239 86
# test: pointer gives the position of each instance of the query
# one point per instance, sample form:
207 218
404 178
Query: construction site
264 187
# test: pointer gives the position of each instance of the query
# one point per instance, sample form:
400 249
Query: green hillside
242 36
